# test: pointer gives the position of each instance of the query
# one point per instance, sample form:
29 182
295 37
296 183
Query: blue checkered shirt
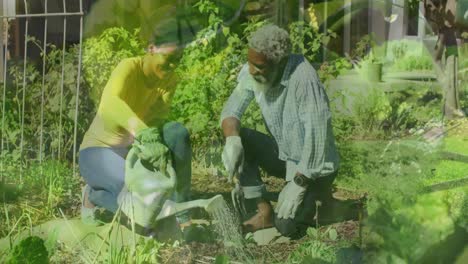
297 114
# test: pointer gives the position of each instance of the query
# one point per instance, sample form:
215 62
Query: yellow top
128 104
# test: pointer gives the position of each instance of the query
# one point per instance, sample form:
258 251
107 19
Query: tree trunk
441 18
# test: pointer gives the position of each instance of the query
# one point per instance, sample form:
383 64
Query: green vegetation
102 53
413 62
380 136
29 251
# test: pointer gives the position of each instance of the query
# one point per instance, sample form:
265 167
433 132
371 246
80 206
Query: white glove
289 200
233 156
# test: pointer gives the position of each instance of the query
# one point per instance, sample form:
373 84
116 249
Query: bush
406 223
208 74
102 53
369 109
30 250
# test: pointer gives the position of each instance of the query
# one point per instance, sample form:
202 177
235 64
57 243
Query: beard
262 84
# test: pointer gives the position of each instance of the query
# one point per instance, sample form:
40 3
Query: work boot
261 216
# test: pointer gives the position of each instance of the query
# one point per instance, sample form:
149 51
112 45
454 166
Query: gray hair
272 41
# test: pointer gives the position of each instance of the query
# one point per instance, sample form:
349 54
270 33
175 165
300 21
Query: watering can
145 196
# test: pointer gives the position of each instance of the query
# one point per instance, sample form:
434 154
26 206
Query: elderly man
296 111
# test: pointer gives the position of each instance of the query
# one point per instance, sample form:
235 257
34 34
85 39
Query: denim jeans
261 151
103 168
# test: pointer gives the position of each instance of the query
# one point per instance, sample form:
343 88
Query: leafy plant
363 47
330 70
208 70
30 250
314 250
369 110
399 117
102 53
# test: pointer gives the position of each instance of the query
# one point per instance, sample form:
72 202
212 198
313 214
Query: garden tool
209 205
237 196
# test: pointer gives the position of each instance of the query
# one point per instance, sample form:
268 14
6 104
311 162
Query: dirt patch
191 253
206 253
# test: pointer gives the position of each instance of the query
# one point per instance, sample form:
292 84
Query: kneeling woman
136 96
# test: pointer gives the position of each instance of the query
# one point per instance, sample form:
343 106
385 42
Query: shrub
30 250
208 74
102 53
369 108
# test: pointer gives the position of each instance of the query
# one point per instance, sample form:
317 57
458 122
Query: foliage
208 71
307 40
222 259
407 223
49 186
30 250
399 50
314 250
145 251
330 70
49 106
102 53
413 62
399 118
363 47
369 110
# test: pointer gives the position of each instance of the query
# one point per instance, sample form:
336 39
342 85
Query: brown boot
262 219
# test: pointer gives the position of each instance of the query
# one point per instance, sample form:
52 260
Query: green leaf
333 234
226 31
222 259
312 232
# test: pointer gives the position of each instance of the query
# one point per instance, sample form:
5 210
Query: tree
447 19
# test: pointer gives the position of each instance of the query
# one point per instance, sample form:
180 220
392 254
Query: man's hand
289 200
233 156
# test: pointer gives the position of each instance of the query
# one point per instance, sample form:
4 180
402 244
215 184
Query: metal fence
8 16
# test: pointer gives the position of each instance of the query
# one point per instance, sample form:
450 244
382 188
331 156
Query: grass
385 170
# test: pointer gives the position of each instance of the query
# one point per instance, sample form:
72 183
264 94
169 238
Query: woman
137 96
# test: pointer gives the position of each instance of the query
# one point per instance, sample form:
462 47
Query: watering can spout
210 205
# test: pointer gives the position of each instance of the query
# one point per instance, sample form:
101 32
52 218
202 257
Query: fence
15 107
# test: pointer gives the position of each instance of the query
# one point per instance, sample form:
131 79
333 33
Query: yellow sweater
128 104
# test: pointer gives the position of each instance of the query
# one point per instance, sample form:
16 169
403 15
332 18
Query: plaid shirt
297 114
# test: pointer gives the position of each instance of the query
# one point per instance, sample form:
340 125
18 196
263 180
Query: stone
265 236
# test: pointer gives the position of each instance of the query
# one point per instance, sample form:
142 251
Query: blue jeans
103 168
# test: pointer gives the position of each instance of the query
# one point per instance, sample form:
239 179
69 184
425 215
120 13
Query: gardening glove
155 154
289 200
149 148
233 156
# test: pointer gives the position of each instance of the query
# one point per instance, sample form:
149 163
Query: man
296 111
